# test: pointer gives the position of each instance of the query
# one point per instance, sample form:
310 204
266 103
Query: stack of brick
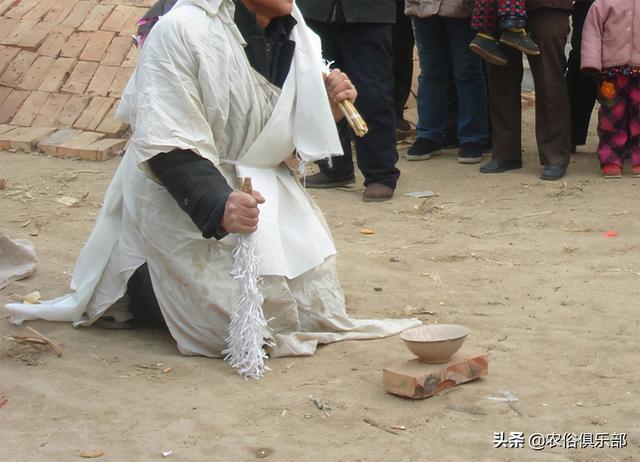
63 67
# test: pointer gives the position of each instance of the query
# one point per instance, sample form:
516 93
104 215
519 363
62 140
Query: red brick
36 73
49 144
110 124
20 30
76 146
12 104
6 26
7 54
415 379
30 109
102 80
94 113
40 10
117 51
4 92
62 9
80 77
75 44
132 58
120 81
106 148
18 67
79 13
28 34
96 46
4 128
119 18
72 110
131 27
48 116
96 17
22 8
58 74
26 138
6 5
55 40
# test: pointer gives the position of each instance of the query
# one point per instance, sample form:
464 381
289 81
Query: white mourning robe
194 89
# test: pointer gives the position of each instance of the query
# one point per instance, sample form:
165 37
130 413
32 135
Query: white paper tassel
248 328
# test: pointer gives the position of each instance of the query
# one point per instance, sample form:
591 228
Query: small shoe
377 192
470 153
553 172
520 40
612 171
423 149
635 171
499 166
403 129
321 181
488 49
450 141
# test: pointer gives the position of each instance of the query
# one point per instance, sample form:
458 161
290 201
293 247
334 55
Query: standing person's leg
634 125
470 89
367 59
433 85
613 124
339 171
549 27
506 114
402 64
582 87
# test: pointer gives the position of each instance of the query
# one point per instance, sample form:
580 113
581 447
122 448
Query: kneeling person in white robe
201 117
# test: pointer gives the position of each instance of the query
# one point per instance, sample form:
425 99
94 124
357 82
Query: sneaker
488 49
635 171
321 181
470 153
377 192
423 149
520 40
611 171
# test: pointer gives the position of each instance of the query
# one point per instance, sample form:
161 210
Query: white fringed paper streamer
248 329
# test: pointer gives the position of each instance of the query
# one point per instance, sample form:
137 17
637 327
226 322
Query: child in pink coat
611 49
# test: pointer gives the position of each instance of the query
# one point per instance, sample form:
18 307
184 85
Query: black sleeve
197 186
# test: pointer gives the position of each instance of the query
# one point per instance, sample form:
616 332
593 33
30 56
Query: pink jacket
611 35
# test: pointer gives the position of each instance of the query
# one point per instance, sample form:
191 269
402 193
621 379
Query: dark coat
358 11
560 4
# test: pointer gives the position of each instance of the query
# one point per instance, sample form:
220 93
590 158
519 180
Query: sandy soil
523 263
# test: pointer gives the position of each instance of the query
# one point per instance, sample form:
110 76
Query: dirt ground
523 263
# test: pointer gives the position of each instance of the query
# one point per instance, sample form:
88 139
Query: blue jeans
443 49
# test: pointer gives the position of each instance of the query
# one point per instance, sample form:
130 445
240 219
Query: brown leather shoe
377 192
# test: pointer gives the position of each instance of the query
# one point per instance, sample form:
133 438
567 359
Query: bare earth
523 263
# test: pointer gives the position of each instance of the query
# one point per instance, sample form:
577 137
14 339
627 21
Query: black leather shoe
553 172
321 181
499 166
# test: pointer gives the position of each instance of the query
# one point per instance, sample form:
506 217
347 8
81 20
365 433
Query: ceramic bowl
435 343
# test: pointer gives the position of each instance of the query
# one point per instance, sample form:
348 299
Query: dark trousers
364 53
549 28
402 60
582 87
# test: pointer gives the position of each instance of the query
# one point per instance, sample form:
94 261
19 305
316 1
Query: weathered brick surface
12 104
79 79
36 73
58 74
49 114
94 113
30 109
96 46
64 64
102 81
17 68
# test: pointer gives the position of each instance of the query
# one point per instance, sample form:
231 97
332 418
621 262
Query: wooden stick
247 187
354 118
53 345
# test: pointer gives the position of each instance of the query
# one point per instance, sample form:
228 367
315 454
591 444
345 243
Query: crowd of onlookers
470 54
469 85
